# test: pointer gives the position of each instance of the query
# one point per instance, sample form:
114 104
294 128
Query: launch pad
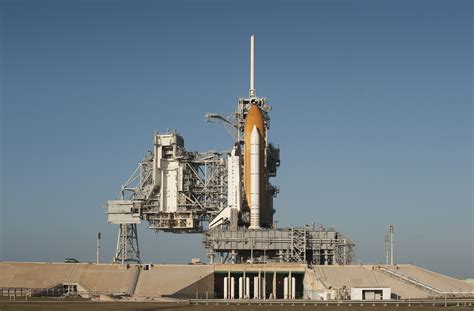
227 196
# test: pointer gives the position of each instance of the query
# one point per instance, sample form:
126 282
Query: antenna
99 236
252 66
391 245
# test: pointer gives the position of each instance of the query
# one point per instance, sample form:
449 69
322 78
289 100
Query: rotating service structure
227 196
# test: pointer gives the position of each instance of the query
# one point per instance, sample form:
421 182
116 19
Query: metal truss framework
202 195
127 250
172 189
299 245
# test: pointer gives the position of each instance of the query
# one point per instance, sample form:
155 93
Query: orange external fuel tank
255 118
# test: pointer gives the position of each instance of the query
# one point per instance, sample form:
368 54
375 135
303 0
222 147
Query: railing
52 292
417 302
13 293
423 286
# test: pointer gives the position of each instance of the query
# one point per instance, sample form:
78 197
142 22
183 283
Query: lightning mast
252 66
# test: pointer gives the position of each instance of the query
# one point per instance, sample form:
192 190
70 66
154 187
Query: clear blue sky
372 110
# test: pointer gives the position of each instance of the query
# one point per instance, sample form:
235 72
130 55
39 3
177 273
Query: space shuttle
250 164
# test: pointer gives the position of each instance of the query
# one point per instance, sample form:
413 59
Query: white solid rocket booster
254 179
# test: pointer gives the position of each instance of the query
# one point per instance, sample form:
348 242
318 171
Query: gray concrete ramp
189 281
34 275
176 280
372 276
362 276
100 278
106 278
438 281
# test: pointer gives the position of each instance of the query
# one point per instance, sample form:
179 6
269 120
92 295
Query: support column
274 289
228 283
226 287
127 250
247 287
241 288
293 288
290 287
259 284
244 285
256 287
232 287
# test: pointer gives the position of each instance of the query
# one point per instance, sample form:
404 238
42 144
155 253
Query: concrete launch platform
206 281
